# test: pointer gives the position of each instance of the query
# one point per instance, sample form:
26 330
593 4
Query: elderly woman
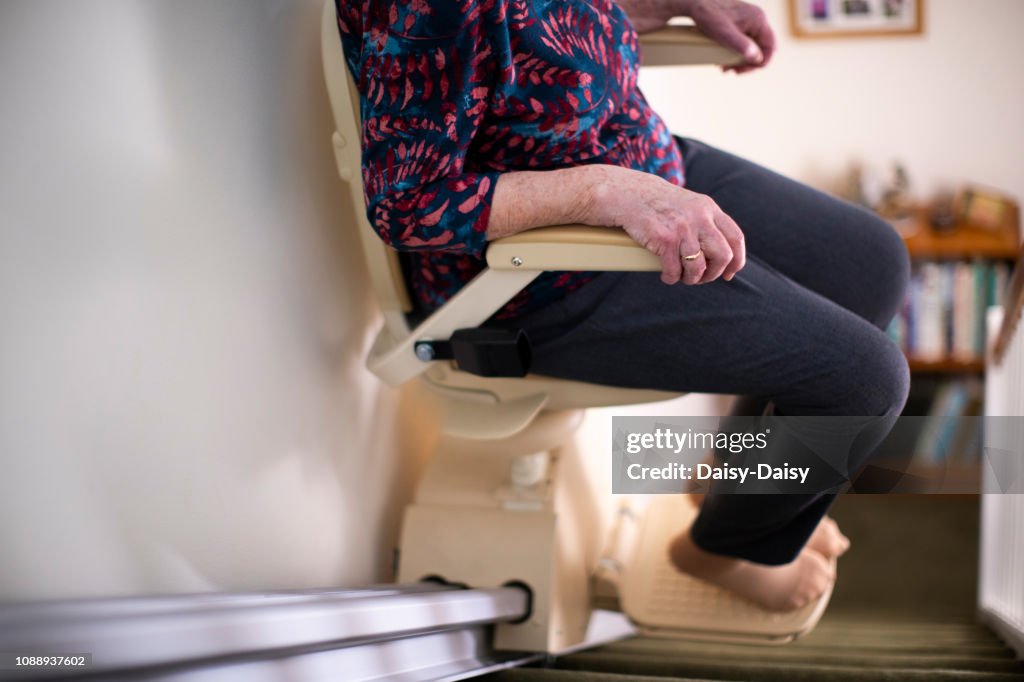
484 118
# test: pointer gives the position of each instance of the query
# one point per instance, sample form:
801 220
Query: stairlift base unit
494 513
503 547
500 513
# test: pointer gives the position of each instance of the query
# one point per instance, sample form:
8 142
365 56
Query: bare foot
777 588
828 540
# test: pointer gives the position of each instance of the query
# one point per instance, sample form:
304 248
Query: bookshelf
956 275
965 269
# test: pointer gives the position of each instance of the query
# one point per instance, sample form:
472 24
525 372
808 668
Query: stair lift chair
501 501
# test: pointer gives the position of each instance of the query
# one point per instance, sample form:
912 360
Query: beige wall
947 104
182 325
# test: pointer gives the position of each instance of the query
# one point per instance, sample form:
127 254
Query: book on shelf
947 434
943 315
946 428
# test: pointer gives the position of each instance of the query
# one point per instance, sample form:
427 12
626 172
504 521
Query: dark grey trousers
800 327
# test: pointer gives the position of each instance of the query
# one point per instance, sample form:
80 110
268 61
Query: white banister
1001 574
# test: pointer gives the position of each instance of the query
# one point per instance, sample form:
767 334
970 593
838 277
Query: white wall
182 323
947 104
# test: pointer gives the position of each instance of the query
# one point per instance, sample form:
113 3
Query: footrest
662 602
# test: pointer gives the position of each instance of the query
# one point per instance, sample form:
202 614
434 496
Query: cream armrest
684 46
570 247
513 262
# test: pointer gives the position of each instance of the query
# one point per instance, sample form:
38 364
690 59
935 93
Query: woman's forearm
524 200
650 15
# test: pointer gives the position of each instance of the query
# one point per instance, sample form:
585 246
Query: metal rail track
402 633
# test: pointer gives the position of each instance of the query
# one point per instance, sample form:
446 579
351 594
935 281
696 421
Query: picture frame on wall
855 18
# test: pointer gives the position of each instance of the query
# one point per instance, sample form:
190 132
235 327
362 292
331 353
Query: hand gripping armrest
684 46
571 247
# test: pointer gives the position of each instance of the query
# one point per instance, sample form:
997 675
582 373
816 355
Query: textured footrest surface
663 602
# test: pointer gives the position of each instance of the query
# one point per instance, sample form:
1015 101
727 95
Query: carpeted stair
903 609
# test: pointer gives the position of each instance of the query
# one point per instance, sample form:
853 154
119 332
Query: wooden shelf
947 366
960 242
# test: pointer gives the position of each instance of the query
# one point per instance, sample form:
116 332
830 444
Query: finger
734 237
671 268
741 69
693 270
765 37
717 255
728 34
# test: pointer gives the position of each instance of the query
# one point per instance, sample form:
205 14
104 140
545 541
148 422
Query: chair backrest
382 261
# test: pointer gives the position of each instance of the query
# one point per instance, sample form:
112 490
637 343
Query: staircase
903 609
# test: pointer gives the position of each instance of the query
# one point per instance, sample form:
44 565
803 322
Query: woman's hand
738 25
670 222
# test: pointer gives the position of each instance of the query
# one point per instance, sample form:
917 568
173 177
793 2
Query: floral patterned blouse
456 92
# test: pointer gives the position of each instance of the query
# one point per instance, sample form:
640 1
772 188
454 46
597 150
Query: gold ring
694 256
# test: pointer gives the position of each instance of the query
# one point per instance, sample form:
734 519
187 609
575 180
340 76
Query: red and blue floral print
456 92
